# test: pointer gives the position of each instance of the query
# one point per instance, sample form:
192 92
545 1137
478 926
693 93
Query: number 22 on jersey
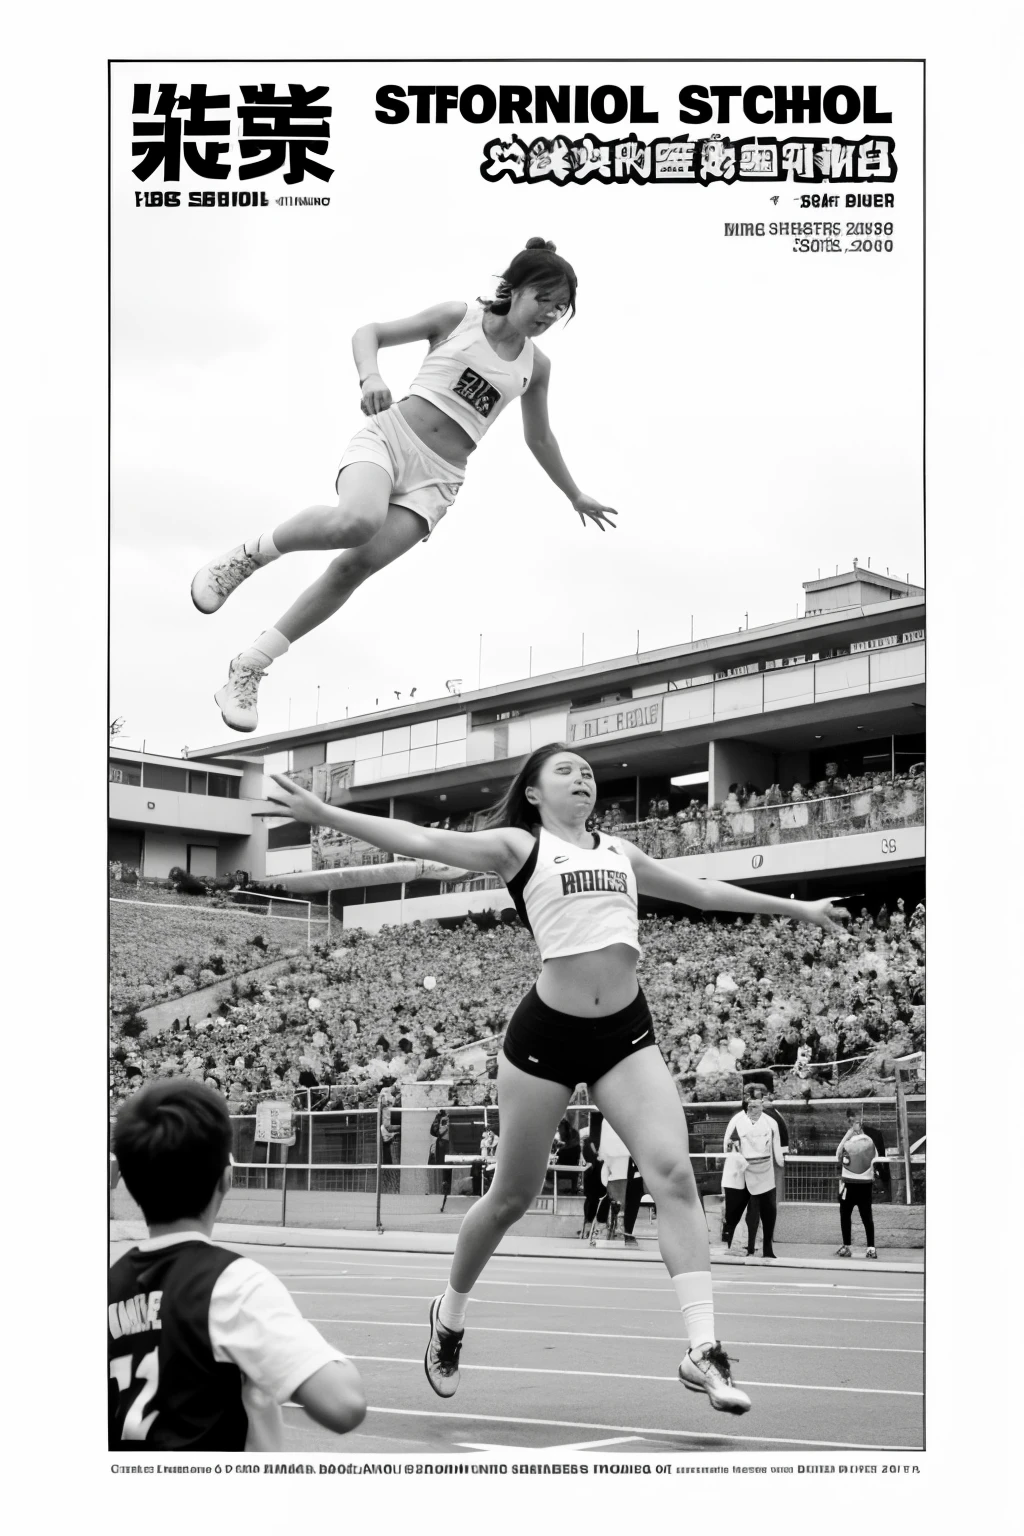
137 1426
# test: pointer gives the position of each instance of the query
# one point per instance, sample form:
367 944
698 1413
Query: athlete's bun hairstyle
537 264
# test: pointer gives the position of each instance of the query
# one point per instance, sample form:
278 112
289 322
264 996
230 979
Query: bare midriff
439 432
590 985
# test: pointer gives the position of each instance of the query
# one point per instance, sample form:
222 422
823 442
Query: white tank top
577 899
464 376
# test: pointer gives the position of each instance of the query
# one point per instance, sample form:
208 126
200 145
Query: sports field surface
577 1354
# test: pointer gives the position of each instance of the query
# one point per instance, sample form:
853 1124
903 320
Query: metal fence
241 904
343 1172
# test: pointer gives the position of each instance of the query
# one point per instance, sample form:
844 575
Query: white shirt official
760 1145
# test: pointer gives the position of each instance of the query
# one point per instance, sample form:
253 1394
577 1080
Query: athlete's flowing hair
514 810
537 265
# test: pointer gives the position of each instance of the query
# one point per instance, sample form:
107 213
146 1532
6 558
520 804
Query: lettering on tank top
480 393
578 882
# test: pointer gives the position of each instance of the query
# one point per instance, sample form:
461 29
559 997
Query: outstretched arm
654 879
432 325
542 444
501 851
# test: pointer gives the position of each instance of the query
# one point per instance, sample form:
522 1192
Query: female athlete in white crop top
403 470
584 1021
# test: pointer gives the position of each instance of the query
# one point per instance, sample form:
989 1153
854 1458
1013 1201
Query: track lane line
783 1292
481 1301
530 1370
635 1338
632 1429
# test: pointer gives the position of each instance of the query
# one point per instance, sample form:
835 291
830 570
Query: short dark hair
173 1142
855 1112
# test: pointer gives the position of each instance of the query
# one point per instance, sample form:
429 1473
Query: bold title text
698 104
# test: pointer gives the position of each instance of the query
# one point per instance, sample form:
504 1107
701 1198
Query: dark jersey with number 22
167 1392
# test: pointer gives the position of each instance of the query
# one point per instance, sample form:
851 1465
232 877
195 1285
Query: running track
574 1353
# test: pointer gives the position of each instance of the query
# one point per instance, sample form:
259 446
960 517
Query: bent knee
510 1205
348 527
352 566
672 1180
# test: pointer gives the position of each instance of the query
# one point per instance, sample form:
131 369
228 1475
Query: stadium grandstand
309 968
785 757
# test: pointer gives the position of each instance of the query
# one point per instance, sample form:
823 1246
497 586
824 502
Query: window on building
294 834
224 786
197 783
124 845
120 772
160 776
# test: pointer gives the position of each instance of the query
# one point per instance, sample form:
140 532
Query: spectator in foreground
204 1345
758 1136
566 1152
856 1157
440 1129
388 1143
594 1197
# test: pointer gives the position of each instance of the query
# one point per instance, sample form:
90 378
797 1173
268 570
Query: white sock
265 649
264 547
694 1292
452 1311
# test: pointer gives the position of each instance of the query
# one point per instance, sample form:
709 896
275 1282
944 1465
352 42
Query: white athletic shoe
214 584
709 1372
237 699
441 1361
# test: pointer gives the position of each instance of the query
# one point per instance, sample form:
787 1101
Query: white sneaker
441 1361
214 584
237 699
709 1372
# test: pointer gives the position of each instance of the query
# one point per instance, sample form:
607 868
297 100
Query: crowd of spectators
833 806
417 1002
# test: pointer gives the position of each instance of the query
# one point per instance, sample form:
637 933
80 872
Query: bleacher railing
717 829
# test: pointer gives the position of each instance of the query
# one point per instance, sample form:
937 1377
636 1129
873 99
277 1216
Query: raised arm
431 325
500 851
654 879
542 444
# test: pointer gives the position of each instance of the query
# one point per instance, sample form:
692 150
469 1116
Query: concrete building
165 812
837 693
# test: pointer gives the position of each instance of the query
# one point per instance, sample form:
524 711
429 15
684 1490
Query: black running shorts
566 1049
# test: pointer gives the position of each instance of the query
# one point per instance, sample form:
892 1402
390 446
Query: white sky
754 413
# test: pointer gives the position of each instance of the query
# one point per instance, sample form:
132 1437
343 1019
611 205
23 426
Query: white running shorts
420 480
